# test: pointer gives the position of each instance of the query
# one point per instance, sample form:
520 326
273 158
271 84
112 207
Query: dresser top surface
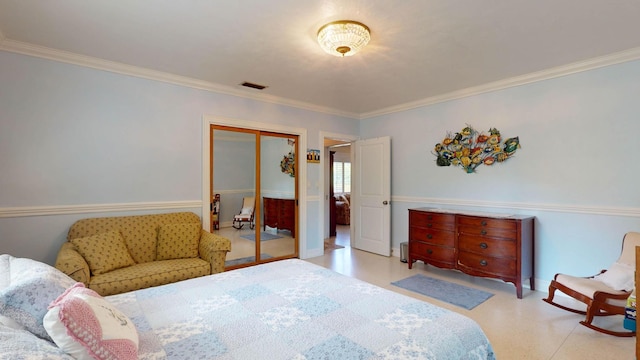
472 213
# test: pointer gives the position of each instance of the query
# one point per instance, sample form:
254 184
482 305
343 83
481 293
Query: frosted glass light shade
343 38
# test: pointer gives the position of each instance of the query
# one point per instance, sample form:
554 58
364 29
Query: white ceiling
420 50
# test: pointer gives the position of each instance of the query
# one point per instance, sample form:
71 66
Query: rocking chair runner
604 294
246 213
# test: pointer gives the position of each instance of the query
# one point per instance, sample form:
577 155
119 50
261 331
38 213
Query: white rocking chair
606 293
246 213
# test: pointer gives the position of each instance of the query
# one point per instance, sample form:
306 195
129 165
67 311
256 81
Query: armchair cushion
145 275
620 276
104 252
141 241
178 241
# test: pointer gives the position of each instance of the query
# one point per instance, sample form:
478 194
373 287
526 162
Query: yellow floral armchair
112 255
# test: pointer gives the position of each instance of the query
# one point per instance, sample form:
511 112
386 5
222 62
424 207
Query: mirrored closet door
254 194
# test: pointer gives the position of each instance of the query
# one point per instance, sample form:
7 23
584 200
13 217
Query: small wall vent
254 86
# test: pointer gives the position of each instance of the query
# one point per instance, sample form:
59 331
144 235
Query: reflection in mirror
255 209
234 180
278 194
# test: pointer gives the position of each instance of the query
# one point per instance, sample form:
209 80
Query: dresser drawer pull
429 251
429 217
484 245
483 223
429 236
483 232
483 262
429 225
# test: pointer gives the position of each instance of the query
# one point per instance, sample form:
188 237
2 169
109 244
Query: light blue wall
233 174
71 135
76 136
274 182
575 172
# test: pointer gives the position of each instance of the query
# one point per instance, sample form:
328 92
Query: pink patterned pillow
86 326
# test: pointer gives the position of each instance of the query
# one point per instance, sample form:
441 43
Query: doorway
370 205
338 193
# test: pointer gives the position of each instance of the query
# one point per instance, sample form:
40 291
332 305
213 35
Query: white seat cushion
588 287
242 217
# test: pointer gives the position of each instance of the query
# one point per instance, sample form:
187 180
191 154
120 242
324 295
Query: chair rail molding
574 209
25 211
13 212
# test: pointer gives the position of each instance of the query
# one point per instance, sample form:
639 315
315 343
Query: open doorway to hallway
338 194
341 240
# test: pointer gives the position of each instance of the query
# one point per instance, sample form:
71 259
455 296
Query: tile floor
518 329
242 248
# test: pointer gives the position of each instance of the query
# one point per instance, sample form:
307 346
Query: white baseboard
313 253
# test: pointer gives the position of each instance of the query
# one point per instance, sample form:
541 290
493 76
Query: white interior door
371 213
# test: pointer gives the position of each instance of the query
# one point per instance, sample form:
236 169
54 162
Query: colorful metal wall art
470 149
287 164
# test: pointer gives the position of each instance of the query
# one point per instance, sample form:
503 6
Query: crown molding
136 71
124 69
552 73
572 209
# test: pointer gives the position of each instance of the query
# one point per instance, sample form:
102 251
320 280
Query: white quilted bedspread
292 309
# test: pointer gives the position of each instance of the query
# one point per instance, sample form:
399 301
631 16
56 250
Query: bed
293 309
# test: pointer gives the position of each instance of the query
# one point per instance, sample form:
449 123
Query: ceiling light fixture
344 37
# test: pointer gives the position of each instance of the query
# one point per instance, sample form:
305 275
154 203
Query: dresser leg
519 289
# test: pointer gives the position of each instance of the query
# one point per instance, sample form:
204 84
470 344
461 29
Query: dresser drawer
426 251
492 265
475 221
437 237
487 231
487 246
432 220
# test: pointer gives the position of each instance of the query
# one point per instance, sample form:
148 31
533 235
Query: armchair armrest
213 248
70 262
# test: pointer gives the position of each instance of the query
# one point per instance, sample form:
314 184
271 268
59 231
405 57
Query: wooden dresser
478 244
280 214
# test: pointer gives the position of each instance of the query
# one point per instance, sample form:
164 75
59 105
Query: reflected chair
246 213
604 294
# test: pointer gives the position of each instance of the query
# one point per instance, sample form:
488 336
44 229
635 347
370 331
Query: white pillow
30 287
620 276
86 326
246 211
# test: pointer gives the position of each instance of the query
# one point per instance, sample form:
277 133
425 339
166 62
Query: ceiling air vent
253 86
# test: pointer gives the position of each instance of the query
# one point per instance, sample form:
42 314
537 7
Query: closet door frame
301 171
